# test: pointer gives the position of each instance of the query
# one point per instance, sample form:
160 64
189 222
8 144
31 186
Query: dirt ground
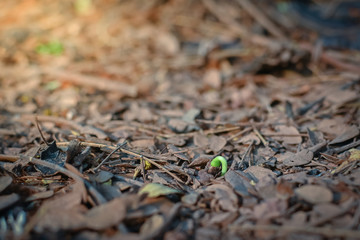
179 119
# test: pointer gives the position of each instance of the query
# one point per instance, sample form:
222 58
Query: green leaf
156 190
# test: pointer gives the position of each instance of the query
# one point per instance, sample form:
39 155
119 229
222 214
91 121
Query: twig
98 145
326 231
8 158
284 135
346 147
142 163
262 139
108 156
241 124
93 192
261 18
210 131
247 153
41 134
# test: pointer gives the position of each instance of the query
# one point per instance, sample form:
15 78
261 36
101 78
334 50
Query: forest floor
176 120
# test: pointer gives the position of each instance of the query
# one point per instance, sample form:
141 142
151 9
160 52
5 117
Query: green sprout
219 160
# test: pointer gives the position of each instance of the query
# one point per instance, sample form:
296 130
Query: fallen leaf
260 172
201 140
178 125
287 139
217 143
201 160
155 190
5 181
239 182
8 200
314 194
106 215
225 197
301 158
40 195
347 134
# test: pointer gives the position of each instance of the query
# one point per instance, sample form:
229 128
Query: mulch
115 113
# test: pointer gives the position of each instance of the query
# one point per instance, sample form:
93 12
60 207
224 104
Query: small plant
220 161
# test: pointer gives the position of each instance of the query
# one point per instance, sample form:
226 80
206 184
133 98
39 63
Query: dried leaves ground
111 113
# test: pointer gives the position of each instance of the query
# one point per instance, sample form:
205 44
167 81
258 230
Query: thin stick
41 134
108 156
98 145
210 131
239 133
8 158
346 147
262 139
94 193
142 167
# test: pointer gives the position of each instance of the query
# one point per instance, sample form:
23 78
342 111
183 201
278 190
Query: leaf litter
133 110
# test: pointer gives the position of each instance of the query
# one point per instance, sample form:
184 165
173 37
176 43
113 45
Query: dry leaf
106 215
288 139
5 181
301 158
217 143
314 194
347 134
156 190
201 140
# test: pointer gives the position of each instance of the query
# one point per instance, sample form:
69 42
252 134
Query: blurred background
142 48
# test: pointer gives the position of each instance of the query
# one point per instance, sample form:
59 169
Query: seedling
220 161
